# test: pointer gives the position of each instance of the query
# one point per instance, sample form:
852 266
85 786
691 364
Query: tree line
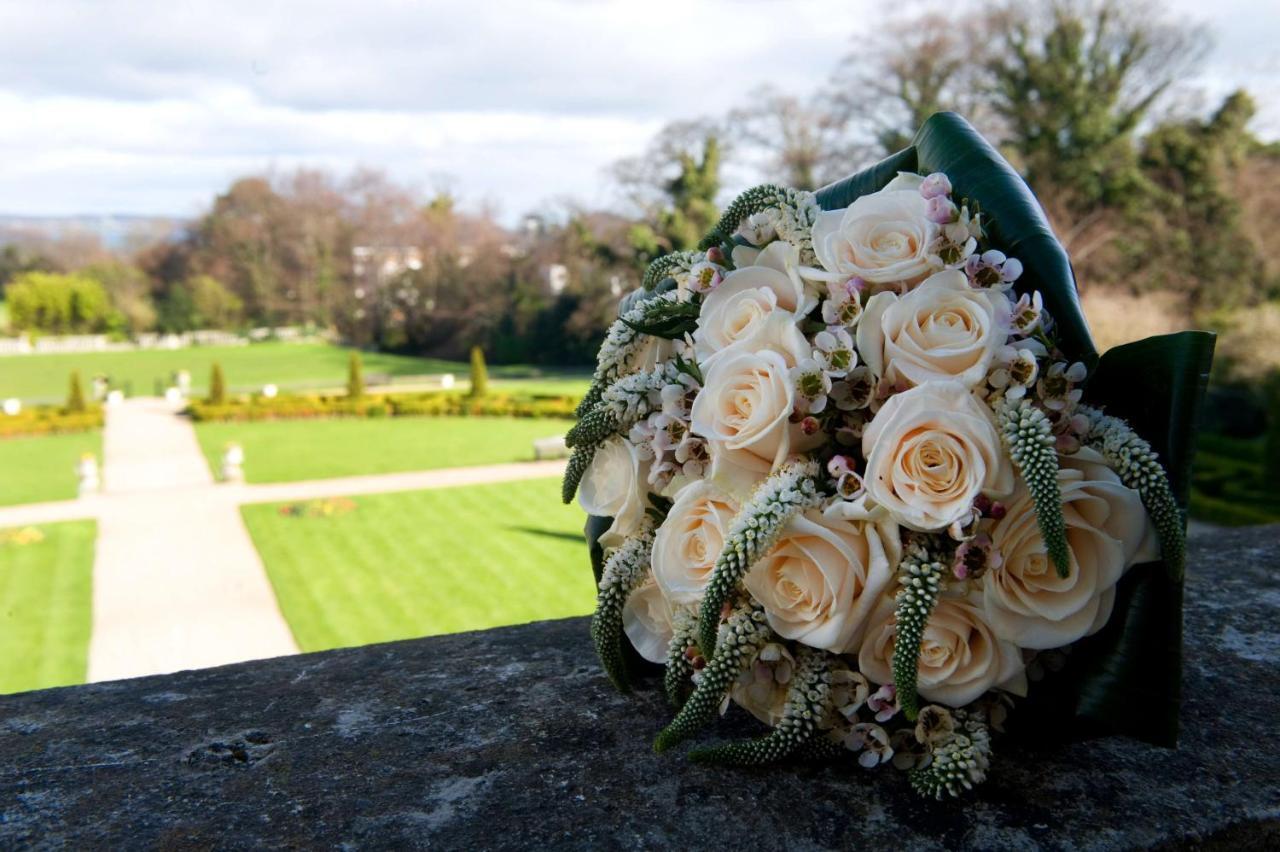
1149 190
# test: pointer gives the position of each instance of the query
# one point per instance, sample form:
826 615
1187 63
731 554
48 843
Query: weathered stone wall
512 739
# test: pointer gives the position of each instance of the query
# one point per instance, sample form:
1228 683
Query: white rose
743 411
755 307
960 655
688 543
1108 530
930 451
615 486
883 237
646 619
943 329
819 584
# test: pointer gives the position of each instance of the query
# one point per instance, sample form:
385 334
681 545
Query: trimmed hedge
300 407
49 420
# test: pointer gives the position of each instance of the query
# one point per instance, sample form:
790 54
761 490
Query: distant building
557 277
382 263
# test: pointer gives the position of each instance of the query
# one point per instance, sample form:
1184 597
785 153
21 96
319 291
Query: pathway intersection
177 582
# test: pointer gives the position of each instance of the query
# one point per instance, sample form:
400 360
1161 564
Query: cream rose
743 411
960 655
883 237
930 451
1108 530
688 543
755 307
943 329
615 486
820 582
646 619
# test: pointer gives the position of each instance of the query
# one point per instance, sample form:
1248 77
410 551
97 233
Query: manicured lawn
46 598
247 368
33 470
1228 484
425 562
289 450
573 385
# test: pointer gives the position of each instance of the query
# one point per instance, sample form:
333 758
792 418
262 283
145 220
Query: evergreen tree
75 396
217 386
355 375
479 373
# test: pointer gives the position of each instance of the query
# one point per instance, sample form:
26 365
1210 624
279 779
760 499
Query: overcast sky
154 107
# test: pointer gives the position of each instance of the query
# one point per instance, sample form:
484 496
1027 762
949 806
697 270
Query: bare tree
802 140
888 85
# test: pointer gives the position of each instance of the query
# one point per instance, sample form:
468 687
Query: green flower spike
958 763
798 211
627 401
623 573
753 533
667 266
1139 467
921 575
808 701
744 635
684 634
1028 435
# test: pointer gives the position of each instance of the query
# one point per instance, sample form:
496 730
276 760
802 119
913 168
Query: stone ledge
512 738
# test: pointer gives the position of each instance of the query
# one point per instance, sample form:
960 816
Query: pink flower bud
935 185
839 466
941 211
810 425
715 255
997 511
1067 444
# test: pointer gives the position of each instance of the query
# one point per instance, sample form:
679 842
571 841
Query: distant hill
114 231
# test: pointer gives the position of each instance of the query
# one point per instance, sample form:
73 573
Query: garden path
177 582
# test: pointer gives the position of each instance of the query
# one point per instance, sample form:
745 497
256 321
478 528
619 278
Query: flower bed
388 405
49 420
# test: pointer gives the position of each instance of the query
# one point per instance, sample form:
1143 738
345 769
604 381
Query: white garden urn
87 473
233 463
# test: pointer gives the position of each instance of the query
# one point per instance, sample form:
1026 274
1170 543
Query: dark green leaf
1127 678
842 193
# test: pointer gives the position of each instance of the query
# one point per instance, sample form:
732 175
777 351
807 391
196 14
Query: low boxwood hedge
49 420
296 407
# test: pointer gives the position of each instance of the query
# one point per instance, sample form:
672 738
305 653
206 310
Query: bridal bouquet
856 467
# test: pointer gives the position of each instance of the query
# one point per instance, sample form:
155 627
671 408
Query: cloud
109 106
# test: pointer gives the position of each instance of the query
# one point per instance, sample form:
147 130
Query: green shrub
217 386
58 304
355 375
75 395
479 373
